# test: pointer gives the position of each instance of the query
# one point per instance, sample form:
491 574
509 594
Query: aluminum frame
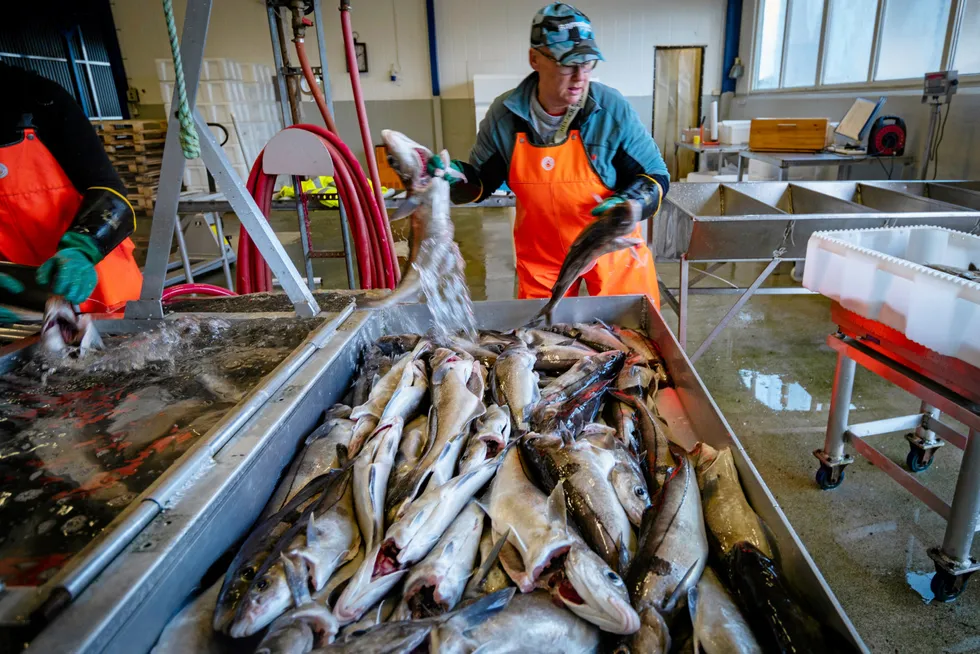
714 223
165 220
963 513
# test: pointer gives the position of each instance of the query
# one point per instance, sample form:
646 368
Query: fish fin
476 611
311 534
475 584
296 575
624 558
556 506
406 208
678 593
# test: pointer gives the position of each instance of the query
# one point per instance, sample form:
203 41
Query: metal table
944 384
770 222
718 150
783 161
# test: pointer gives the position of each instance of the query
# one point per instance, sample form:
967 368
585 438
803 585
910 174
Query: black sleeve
627 169
67 133
480 184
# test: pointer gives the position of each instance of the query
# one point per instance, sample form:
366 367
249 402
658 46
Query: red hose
370 230
321 102
173 292
362 119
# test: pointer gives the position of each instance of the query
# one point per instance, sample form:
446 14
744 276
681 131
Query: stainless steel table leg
219 229
782 173
682 313
743 164
832 457
182 250
924 442
954 565
965 510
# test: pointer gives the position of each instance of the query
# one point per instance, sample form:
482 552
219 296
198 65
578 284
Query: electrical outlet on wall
132 94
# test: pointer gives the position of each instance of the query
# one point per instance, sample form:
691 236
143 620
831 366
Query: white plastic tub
881 274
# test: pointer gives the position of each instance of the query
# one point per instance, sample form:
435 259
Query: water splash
448 296
80 439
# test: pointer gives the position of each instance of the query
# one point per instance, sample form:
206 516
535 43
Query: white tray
881 274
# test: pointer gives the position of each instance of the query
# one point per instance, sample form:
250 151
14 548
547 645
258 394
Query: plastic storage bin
882 274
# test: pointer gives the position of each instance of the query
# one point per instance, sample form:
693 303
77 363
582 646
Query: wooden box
788 134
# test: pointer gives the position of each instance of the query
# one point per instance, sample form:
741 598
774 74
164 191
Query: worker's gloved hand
619 207
71 271
13 286
452 172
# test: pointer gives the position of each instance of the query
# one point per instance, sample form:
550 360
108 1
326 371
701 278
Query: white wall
239 30
475 36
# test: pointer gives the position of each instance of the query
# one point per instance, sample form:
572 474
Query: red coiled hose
374 246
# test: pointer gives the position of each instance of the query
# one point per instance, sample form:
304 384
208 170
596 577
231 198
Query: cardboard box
788 134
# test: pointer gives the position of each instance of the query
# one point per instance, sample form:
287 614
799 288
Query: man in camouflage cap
562 144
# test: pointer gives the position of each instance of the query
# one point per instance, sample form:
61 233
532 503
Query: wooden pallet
135 148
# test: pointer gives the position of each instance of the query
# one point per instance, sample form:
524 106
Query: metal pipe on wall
733 28
430 21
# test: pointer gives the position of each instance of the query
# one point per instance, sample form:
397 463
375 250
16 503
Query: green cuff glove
607 205
14 287
71 271
436 167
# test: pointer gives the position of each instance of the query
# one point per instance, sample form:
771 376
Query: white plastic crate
220 69
881 274
165 70
734 132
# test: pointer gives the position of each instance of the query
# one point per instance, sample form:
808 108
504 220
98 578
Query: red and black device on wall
887 137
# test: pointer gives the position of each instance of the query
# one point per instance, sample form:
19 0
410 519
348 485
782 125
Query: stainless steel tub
88 564
132 600
751 221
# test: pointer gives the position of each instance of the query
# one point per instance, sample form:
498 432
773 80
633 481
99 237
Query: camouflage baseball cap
566 33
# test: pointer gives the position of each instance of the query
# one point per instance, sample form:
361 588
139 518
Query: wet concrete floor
770 372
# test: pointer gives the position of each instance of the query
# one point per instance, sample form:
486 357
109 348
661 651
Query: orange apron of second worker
37 206
556 189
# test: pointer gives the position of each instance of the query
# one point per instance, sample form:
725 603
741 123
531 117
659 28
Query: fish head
262 602
594 592
377 575
446 361
406 157
631 489
63 331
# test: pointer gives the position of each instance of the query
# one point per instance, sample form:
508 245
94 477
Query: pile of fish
519 492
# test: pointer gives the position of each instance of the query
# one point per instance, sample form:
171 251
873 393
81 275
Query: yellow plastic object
322 189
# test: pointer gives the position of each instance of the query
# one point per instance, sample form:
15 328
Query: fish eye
262 584
248 574
613 577
639 491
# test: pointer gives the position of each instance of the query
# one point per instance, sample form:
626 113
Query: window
770 57
72 50
861 41
850 31
967 58
803 44
912 38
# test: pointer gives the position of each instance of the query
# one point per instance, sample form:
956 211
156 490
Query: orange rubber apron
556 189
37 205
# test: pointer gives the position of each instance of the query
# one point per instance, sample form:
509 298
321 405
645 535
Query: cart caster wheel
947 587
918 459
825 477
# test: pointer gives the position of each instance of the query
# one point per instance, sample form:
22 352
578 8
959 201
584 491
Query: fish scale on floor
557 513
